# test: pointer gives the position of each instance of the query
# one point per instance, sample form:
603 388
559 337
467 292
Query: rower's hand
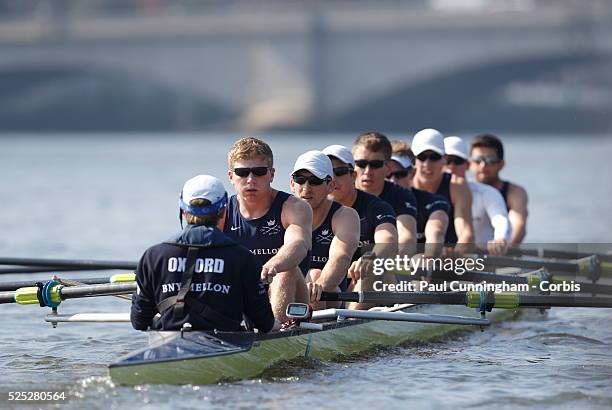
360 269
498 247
267 273
314 290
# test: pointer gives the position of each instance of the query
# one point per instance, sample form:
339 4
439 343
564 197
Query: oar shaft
503 300
40 269
560 254
67 263
9 286
70 292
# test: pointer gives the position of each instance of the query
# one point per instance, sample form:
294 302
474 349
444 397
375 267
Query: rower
428 147
335 228
372 152
487 160
274 225
489 213
200 276
378 234
432 209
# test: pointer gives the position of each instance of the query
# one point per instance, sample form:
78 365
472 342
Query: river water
112 196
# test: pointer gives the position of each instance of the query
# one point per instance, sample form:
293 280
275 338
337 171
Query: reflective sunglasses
312 180
340 171
488 160
374 164
429 155
455 160
402 173
245 172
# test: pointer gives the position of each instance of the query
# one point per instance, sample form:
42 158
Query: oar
52 293
535 281
120 277
479 300
41 269
589 267
559 254
69 263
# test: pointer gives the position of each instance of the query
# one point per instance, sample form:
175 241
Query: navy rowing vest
444 190
322 238
262 236
504 191
427 203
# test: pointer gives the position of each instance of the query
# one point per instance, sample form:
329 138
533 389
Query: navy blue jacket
226 280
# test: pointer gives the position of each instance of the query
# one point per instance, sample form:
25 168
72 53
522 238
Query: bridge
311 66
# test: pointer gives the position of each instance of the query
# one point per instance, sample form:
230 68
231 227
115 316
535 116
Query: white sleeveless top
489 214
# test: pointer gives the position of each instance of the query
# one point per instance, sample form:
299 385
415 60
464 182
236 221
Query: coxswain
428 147
200 276
378 234
486 162
274 225
489 213
335 227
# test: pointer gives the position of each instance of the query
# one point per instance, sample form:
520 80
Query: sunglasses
488 160
455 160
403 173
340 171
245 172
312 180
432 156
374 164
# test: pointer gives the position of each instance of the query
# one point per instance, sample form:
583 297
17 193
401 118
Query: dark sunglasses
488 160
312 180
403 173
455 160
245 172
432 156
340 171
374 164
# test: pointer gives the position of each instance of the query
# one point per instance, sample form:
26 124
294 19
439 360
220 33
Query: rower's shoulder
346 214
517 191
296 210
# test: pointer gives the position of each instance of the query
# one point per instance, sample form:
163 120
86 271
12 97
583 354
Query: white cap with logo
316 162
456 146
203 187
428 139
341 152
402 160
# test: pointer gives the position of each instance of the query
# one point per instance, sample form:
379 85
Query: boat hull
208 357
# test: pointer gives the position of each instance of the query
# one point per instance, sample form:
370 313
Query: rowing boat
212 357
197 357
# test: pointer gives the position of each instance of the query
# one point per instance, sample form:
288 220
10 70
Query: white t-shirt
489 214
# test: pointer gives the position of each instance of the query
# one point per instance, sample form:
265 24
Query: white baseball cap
428 139
316 162
341 152
456 146
203 187
404 161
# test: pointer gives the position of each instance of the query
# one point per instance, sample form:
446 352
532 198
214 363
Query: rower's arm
385 241
143 300
345 224
297 219
495 209
517 202
461 198
435 231
406 235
